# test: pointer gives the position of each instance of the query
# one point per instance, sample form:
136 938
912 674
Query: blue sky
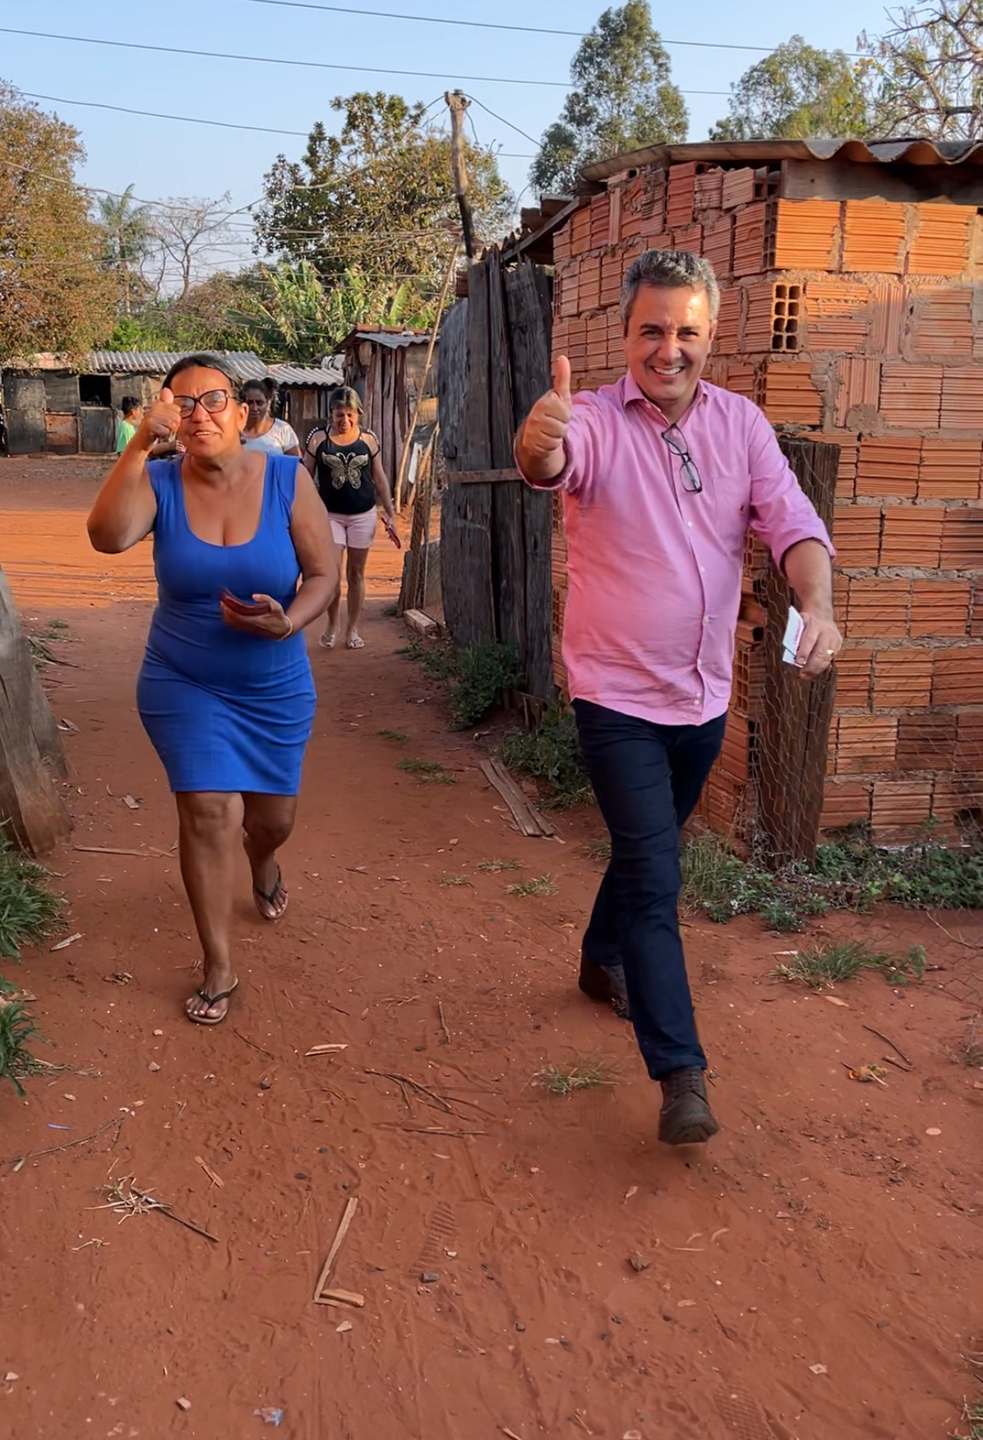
166 158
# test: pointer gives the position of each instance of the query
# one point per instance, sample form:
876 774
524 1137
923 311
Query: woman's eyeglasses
690 474
213 402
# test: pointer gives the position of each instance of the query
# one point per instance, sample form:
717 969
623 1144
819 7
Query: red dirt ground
831 1224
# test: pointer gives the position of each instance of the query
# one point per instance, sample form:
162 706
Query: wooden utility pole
457 104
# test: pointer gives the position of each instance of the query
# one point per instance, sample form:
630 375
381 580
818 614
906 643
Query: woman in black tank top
344 460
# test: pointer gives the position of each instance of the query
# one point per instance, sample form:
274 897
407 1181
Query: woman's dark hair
201 360
344 398
129 403
267 384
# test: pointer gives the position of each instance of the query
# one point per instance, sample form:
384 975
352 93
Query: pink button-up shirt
654 570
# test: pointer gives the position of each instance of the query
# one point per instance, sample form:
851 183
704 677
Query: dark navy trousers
647 779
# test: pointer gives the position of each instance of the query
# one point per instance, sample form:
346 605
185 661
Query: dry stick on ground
401 1080
443 1022
164 1208
336 1245
954 938
890 1042
253 1043
436 1130
69 1144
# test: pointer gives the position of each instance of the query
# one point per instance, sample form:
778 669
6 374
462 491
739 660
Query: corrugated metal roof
244 364
906 151
392 339
307 375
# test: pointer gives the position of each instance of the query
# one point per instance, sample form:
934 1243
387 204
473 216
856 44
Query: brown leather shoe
606 986
686 1117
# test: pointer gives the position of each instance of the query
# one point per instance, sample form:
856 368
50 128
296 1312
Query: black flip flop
210 1001
271 899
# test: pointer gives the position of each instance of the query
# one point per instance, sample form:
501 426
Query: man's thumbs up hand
540 449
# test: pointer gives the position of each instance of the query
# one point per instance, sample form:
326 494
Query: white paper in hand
792 636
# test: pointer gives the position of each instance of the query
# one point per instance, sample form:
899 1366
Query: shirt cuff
558 482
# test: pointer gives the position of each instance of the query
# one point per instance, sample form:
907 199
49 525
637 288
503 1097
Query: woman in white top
262 432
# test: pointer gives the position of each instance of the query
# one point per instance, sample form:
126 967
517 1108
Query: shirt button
707 619
689 524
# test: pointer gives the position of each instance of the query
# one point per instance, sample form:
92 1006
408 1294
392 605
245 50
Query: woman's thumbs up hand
160 420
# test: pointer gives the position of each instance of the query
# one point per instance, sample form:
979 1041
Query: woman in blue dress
225 692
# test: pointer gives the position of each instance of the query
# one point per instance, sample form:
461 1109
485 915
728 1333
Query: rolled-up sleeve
781 514
581 448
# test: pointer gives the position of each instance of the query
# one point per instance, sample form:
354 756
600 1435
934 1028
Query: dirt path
830 1225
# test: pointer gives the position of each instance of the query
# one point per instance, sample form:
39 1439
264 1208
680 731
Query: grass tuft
852 874
565 1079
397 735
430 772
824 965
16 1029
454 880
974 1415
542 885
28 910
494 866
551 755
478 674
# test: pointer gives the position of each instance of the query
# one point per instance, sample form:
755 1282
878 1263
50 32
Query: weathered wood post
29 743
793 729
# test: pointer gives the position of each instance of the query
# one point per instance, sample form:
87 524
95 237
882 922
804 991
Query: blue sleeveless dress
225 711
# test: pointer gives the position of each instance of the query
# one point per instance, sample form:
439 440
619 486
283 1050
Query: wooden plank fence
495 532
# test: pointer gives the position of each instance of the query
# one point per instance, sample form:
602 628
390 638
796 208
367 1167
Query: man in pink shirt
662 477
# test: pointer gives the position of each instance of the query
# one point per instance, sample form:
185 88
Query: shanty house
388 369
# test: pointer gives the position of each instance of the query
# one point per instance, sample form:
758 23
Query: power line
157 115
274 60
309 64
502 120
495 25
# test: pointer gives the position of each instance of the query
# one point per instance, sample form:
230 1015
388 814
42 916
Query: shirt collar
631 392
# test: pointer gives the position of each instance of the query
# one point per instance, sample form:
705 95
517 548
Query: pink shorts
353 532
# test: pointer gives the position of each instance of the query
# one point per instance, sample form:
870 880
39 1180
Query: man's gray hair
671 270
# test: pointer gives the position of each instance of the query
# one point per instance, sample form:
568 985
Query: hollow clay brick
939 608
789 394
902 679
845 802
940 245
854 666
857 536
865 744
912 536
858 386
926 741
962 539
949 469
941 325
911 395
901 804
803 234
888 465
837 315
878 608
873 236
957 676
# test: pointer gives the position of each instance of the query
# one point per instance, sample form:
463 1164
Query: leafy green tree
795 93
926 71
54 293
128 240
377 199
623 98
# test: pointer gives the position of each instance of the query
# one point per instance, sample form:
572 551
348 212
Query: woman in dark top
344 460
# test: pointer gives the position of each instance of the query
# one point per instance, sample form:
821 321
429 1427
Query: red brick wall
855 321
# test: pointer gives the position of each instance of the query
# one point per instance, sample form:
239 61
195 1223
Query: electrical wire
276 60
496 25
307 64
158 115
